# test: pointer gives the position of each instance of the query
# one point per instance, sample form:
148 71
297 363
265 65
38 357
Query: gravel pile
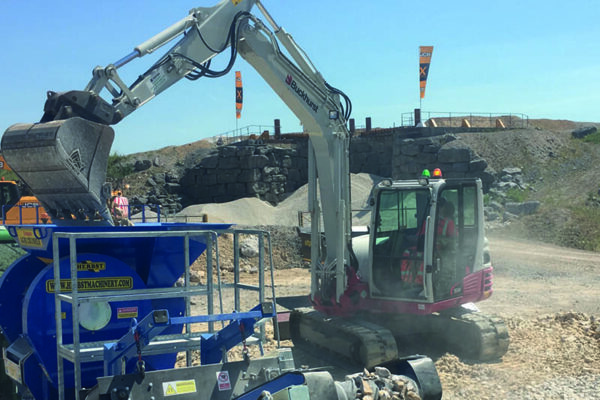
552 357
251 211
572 388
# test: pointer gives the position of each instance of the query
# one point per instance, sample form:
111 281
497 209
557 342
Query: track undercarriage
370 339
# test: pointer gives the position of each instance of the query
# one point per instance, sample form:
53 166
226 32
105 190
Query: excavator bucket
64 164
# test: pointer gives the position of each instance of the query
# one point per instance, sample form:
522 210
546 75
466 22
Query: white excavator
367 293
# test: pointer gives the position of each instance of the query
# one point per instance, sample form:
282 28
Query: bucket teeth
64 164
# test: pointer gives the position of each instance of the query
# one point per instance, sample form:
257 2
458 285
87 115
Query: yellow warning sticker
91 284
27 238
179 387
236 2
170 391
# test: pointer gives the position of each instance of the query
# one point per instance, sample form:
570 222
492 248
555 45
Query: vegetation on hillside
568 189
593 138
118 168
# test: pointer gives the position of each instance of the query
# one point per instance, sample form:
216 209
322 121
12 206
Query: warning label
179 387
12 369
28 239
91 284
127 312
223 380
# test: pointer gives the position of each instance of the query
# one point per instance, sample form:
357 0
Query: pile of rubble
500 207
557 357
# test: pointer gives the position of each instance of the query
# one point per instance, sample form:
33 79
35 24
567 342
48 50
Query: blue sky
539 58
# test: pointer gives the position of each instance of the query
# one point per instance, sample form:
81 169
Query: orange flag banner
239 94
3 164
425 53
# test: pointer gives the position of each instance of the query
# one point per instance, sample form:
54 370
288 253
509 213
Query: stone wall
372 154
236 171
456 160
272 171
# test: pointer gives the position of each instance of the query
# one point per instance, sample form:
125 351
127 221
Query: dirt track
533 279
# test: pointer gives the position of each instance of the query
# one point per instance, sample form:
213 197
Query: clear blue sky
540 58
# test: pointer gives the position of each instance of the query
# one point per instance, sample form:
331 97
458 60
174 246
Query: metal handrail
238 134
78 352
74 354
407 118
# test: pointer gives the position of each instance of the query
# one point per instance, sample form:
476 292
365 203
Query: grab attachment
64 164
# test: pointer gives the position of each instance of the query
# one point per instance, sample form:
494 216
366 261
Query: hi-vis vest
122 204
411 269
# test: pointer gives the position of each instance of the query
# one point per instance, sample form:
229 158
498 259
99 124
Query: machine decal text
91 284
91 266
27 238
301 93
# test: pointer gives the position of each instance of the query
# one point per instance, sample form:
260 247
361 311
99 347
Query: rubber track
472 335
493 335
362 342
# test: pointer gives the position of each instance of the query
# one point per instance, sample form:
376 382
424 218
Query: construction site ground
548 297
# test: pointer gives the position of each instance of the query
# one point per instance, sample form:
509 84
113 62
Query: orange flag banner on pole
239 94
3 164
424 61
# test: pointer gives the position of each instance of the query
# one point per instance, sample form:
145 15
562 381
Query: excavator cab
426 239
9 194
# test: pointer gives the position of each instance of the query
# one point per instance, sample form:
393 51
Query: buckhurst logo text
301 93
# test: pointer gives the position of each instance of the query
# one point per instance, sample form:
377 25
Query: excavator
361 301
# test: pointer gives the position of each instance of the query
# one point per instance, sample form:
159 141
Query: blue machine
121 263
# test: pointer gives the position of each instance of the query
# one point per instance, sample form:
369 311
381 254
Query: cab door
9 195
458 230
397 243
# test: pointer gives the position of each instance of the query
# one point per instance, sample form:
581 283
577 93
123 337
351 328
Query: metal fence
479 120
242 133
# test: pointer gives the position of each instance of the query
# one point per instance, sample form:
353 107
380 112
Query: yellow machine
17 208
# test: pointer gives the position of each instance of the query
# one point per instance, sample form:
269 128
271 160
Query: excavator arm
318 107
63 158
207 31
